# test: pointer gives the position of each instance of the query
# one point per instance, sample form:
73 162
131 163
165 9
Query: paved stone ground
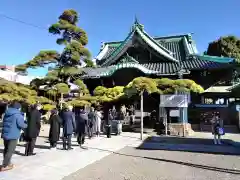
134 164
56 164
233 136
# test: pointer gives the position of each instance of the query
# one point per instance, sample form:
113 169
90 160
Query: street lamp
141 107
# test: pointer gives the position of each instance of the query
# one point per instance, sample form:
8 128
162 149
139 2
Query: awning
218 89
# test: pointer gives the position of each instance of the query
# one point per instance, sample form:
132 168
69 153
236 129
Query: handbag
220 131
22 137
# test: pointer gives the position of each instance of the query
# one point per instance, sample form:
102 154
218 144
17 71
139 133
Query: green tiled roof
180 50
175 45
215 58
164 68
119 49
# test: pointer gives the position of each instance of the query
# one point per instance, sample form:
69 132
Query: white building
14 77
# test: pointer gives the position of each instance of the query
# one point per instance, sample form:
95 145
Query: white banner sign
174 100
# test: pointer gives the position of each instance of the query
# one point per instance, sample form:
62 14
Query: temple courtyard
125 157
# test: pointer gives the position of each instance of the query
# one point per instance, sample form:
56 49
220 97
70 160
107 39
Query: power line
22 22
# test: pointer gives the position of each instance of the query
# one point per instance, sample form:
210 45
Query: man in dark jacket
81 121
68 120
91 122
33 129
109 123
13 122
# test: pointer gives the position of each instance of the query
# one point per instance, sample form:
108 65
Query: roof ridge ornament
128 59
137 24
136 20
189 37
102 45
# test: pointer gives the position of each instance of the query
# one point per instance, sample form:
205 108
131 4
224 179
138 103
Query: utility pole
141 136
181 109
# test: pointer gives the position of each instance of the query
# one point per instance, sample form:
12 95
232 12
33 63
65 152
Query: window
219 101
208 101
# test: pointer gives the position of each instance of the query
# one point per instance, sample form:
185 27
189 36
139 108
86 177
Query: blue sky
109 20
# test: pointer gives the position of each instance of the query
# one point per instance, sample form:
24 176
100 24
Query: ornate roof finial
136 24
102 45
136 20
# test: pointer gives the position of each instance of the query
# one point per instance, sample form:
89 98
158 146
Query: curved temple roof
121 49
166 68
179 50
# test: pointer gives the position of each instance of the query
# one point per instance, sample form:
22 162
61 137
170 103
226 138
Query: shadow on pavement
36 146
195 145
181 140
211 168
16 152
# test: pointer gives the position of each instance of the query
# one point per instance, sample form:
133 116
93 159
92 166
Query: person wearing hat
13 122
33 129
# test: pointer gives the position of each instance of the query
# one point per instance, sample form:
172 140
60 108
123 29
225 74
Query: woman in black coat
33 129
54 132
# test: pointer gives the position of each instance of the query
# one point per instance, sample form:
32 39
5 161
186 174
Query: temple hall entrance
125 75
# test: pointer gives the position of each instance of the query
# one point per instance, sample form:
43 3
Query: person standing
81 123
54 132
217 129
123 112
98 115
109 123
91 122
114 113
13 122
122 116
132 114
153 118
33 129
69 126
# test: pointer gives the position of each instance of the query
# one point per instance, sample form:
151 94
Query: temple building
140 54
165 56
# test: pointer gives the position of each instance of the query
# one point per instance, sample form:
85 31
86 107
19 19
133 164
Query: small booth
174 114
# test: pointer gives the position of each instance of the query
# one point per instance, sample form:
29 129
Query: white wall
12 76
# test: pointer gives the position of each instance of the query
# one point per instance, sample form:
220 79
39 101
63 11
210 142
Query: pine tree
68 62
